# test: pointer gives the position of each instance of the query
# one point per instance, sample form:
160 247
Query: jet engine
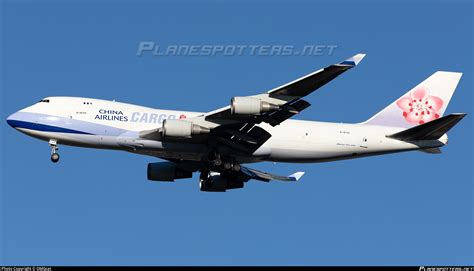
182 128
217 183
166 172
250 106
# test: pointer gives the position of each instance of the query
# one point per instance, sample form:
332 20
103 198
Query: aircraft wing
266 177
311 82
235 127
248 173
288 96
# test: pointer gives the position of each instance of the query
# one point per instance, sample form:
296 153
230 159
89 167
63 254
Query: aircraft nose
12 119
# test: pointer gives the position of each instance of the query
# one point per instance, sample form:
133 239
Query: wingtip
354 60
297 175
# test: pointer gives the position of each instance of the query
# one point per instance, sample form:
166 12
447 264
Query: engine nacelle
182 128
217 183
166 172
250 106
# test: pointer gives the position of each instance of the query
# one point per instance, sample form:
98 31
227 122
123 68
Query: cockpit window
44 101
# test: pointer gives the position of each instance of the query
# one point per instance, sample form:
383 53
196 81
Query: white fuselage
113 125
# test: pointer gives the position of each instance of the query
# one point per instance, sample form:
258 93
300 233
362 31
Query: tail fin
425 102
429 131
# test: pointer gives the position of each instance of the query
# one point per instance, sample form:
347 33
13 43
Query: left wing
222 181
266 177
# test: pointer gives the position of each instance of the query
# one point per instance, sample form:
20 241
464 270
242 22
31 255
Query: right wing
239 132
311 82
288 96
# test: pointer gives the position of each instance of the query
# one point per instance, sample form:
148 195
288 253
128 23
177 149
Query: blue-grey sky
96 207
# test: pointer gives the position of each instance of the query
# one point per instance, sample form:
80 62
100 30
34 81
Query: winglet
353 61
296 176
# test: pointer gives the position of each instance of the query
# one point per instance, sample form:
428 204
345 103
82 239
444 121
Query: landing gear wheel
217 162
235 167
54 157
227 165
54 147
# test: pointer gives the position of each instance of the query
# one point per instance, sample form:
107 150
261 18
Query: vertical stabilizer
423 103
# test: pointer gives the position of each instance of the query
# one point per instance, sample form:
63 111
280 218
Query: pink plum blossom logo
419 106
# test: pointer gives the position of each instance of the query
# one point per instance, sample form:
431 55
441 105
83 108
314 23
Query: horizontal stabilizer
431 130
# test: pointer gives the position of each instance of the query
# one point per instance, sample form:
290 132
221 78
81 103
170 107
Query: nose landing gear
54 148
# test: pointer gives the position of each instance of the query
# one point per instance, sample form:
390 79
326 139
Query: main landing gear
216 162
54 148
